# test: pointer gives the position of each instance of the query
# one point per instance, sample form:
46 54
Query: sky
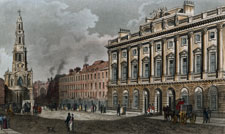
62 34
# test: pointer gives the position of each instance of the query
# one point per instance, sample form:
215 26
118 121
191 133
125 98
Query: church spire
19 30
20 52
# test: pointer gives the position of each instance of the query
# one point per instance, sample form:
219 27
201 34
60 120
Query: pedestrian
205 116
1 121
85 107
67 121
118 109
73 125
101 108
209 114
104 109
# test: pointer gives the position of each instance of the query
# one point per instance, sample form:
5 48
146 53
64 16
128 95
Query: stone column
219 51
151 61
204 52
128 64
177 63
139 63
164 44
110 66
118 66
190 55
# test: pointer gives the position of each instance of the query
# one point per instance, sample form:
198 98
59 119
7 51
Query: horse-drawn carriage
181 113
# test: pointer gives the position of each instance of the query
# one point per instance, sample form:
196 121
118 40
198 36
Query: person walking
209 114
67 121
101 108
85 107
118 109
205 116
1 121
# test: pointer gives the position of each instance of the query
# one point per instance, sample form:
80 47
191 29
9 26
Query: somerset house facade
175 54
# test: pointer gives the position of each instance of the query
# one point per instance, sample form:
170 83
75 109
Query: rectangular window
99 85
102 74
212 62
170 44
158 47
198 64
135 71
103 85
184 41
145 50
134 52
114 56
171 67
197 38
146 75
124 54
124 72
95 76
158 68
106 74
184 66
212 35
98 75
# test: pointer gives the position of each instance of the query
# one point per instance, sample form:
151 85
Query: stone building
175 54
85 86
2 91
19 81
40 88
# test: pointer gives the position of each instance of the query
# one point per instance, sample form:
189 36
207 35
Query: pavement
8 131
199 120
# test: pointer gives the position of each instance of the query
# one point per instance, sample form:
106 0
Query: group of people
120 110
206 115
151 109
70 122
4 122
37 109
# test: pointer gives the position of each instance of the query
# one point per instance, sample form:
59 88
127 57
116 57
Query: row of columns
177 43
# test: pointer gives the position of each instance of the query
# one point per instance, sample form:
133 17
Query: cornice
169 31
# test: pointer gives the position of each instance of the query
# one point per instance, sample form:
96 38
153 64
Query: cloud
5 61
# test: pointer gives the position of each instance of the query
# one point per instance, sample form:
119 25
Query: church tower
19 51
20 80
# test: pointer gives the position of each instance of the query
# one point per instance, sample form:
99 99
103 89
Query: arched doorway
171 100
125 98
115 99
136 99
213 98
145 100
158 101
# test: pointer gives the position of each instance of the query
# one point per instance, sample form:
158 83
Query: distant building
19 82
175 54
85 86
2 91
53 90
40 88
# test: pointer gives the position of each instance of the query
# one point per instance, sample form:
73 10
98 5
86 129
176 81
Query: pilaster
204 52
219 50
177 63
151 61
164 43
190 55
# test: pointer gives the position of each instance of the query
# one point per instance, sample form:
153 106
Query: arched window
134 69
135 98
115 99
145 66
198 98
124 70
185 95
125 98
114 72
20 81
213 97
